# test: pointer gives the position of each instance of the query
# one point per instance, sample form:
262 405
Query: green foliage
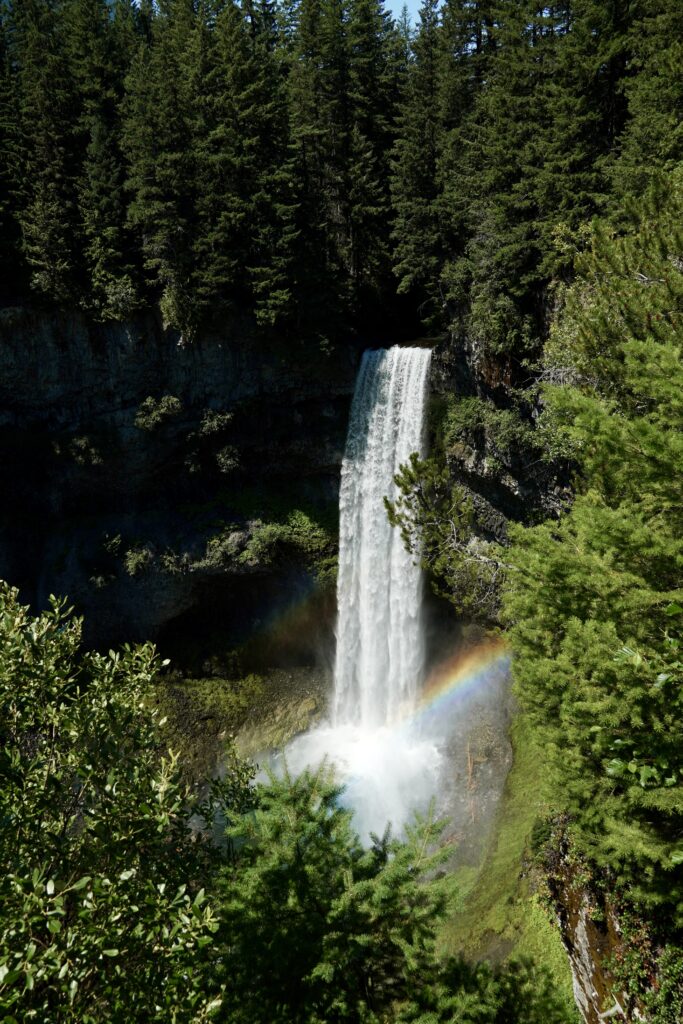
154 412
595 604
299 531
439 526
315 927
112 908
484 995
472 422
501 913
97 920
137 559
665 1003
295 166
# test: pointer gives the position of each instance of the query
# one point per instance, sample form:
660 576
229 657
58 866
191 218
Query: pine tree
319 134
467 49
247 249
595 601
653 137
96 37
159 146
374 82
315 927
48 163
418 249
12 282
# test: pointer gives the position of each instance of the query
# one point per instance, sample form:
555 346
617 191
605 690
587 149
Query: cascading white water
388 768
392 751
380 651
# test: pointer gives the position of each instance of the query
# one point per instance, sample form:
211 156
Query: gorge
341 606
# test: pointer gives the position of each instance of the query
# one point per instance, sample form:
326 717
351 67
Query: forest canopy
315 166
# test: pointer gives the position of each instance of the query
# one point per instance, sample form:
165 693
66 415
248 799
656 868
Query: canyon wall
133 467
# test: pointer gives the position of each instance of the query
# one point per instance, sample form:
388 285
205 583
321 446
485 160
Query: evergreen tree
375 78
11 276
503 254
319 131
158 143
653 138
596 602
466 52
417 253
96 38
48 163
245 229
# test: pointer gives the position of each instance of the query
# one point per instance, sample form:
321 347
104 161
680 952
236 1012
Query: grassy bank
500 914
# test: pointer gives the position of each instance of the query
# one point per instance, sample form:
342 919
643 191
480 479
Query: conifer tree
48 165
245 229
11 277
595 601
375 79
319 134
652 140
96 36
158 143
467 48
417 253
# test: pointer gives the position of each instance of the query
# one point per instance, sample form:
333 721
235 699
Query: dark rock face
124 454
516 485
593 935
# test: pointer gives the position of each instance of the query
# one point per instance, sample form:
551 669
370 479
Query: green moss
202 716
501 914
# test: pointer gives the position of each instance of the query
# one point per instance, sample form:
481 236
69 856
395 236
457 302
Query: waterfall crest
380 653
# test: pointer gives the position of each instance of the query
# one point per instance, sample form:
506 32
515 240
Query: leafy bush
102 915
154 412
297 531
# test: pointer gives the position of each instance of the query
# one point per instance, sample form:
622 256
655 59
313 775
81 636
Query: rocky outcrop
126 454
610 950
510 481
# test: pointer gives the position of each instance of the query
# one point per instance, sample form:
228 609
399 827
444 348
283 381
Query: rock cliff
134 468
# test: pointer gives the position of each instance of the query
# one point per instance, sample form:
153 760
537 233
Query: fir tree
48 164
319 134
652 140
158 143
97 59
11 276
595 601
375 79
417 253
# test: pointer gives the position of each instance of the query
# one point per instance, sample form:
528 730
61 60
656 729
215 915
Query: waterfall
388 767
380 656
395 740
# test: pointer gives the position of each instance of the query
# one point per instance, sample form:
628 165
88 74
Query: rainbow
453 681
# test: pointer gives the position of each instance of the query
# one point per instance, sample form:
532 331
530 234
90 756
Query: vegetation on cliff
508 174
592 598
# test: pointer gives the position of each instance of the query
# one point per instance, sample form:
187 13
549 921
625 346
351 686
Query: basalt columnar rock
136 470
